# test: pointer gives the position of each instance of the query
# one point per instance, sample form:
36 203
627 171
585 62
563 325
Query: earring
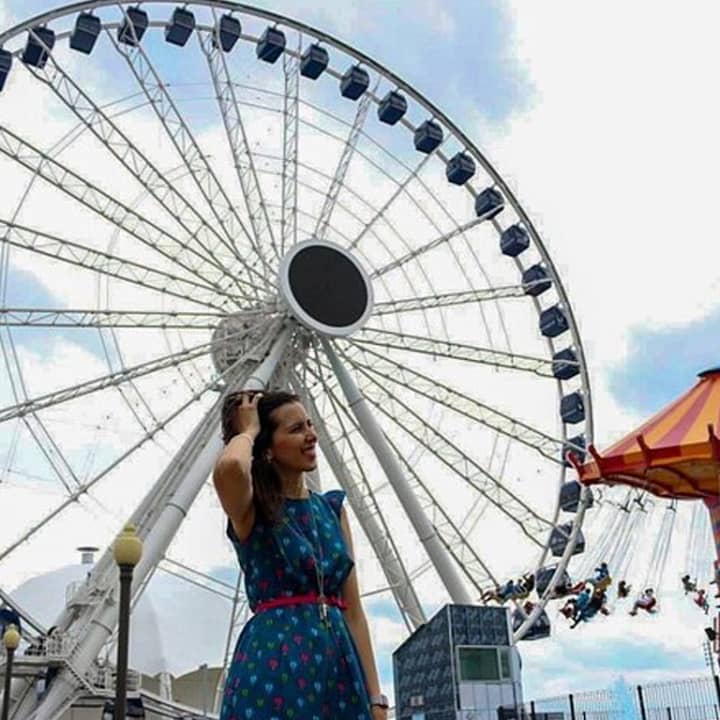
268 458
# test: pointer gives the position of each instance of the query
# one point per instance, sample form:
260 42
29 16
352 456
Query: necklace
317 564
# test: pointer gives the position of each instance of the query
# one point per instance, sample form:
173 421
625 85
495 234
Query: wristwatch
380 700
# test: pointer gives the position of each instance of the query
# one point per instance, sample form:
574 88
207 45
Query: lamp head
128 547
11 638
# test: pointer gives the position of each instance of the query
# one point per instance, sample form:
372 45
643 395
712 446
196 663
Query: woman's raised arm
232 475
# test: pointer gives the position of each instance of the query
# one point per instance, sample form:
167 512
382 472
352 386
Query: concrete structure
182 667
460 665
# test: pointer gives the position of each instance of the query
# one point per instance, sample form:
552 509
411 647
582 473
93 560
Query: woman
306 653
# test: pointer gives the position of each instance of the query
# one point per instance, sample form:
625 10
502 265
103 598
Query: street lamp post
127 552
11 640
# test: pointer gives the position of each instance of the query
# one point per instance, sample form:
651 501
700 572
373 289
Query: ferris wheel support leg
155 543
375 528
374 436
259 379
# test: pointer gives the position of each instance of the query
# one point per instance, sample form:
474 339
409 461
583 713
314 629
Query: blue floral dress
287 662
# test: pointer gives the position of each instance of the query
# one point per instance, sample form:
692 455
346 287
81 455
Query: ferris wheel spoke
338 449
291 139
382 212
416 427
344 237
263 239
58 464
338 445
309 229
375 439
430 245
103 204
436 347
146 174
112 379
135 400
196 573
476 571
88 258
42 438
343 164
468 560
402 375
69 318
196 583
463 297
301 213
187 147
88 485
354 193
461 265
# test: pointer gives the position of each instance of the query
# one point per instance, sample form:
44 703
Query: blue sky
24 291
663 363
456 52
521 90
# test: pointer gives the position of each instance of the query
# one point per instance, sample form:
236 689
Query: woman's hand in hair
246 414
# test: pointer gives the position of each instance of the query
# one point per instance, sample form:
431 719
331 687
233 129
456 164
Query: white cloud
614 160
438 17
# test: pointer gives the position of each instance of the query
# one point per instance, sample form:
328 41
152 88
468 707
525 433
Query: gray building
460 665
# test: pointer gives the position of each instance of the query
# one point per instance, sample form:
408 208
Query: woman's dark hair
267 487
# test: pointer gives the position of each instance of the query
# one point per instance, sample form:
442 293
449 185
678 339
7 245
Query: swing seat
646 605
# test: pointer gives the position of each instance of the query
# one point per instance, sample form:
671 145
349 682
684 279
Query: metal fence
690 699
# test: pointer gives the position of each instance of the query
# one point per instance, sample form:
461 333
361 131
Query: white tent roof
175 626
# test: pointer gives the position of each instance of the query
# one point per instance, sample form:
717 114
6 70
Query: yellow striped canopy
675 454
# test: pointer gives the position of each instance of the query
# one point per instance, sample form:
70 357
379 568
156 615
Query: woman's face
294 440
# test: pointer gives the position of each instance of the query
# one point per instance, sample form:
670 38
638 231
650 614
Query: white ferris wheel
207 196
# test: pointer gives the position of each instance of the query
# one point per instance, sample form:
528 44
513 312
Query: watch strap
380 701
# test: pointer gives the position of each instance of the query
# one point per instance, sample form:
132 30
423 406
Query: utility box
461 665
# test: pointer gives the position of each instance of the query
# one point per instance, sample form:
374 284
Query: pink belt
310 598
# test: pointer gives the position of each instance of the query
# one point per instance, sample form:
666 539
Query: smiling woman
295 549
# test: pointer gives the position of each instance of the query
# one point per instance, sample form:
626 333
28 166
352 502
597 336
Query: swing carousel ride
209 196
675 455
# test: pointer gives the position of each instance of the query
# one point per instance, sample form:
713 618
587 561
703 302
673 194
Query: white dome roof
175 626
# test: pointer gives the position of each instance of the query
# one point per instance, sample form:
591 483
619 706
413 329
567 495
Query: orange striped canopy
675 454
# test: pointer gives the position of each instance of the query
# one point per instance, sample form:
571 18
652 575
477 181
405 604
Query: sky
602 119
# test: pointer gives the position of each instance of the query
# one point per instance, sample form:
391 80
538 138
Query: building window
482 664
478 664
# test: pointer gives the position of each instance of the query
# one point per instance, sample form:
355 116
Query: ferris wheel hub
239 335
325 288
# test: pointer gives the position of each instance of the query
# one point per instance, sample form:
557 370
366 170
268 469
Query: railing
104 678
690 699
55 647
